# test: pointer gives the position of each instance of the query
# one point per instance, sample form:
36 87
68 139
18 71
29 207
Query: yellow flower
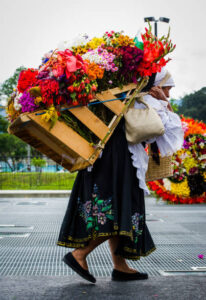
94 43
46 117
50 115
124 40
11 112
37 100
189 162
180 189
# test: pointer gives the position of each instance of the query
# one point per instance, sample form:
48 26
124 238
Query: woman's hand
158 93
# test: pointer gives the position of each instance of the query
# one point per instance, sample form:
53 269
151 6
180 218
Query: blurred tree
39 163
3 124
7 88
194 105
8 85
12 150
174 105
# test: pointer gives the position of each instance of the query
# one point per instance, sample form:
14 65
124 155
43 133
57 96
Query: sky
30 28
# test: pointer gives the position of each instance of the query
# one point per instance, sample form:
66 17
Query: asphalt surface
31 264
52 288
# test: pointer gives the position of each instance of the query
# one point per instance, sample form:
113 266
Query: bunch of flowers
187 185
102 58
154 52
71 74
117 39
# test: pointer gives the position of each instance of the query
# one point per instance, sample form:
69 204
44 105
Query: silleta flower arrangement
188 183
73 73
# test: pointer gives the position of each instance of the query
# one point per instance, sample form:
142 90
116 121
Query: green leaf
111 217
96 228
73 95
100 201
89 225
90 219
106 208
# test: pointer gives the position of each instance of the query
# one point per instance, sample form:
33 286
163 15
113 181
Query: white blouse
171 141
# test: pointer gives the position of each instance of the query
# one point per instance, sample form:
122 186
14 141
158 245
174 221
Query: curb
34 193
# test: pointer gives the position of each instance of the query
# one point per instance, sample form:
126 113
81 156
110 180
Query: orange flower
123 40
194 126
95 71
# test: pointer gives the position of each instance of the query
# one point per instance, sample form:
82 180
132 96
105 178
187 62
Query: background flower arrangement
73 73
188 183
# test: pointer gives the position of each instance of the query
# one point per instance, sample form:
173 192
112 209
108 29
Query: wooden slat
90 120
115 106
66 135
125 88
50 143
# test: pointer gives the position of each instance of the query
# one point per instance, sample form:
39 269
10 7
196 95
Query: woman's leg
118 261
80 254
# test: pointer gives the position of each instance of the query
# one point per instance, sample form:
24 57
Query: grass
37 181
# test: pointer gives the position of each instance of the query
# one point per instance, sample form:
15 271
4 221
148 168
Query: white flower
48 54
17 105
80 40
167 184
63 45
202 157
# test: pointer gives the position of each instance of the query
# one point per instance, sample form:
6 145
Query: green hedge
37 181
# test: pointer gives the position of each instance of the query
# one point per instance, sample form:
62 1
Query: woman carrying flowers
107 200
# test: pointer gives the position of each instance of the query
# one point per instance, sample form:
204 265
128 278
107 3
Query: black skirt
108 201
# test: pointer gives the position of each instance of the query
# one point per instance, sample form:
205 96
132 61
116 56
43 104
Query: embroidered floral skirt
107 201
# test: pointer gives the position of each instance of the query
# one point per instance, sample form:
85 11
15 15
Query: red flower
49 89
27 78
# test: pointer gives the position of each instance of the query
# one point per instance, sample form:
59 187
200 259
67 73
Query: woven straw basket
155 171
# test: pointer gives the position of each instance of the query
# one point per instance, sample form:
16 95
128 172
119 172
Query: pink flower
201 256
58 70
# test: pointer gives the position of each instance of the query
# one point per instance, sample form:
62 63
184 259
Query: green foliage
12 150
9 84
3 124
38 162
194 105
174 105
30 180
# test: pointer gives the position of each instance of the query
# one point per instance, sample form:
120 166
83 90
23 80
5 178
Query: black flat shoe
123 276
72 263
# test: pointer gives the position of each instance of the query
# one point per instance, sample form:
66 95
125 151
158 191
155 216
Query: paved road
28 232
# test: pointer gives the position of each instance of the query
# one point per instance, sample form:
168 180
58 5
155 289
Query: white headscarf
161 75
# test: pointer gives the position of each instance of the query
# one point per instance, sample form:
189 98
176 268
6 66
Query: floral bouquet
72 74
188 183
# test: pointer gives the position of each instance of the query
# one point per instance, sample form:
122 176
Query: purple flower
95 210
43 75
27 102
193 170
101 218
186 145
88 206
201 256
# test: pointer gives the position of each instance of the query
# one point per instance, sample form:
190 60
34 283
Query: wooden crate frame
65 146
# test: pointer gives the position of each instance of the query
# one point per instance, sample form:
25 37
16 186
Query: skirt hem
76 243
